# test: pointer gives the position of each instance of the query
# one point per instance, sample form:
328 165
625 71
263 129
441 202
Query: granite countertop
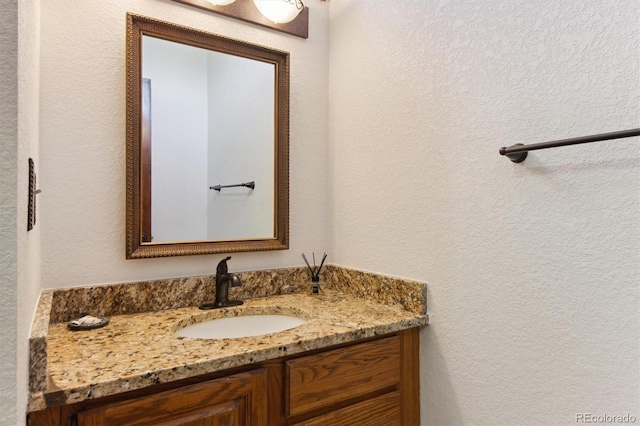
141 349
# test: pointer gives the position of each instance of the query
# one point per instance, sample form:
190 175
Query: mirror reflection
207 142
211 121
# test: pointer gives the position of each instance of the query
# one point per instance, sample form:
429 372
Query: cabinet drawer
381 411
331 377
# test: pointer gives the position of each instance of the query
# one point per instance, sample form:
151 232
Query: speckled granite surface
407 294
139 347
149 296
38 344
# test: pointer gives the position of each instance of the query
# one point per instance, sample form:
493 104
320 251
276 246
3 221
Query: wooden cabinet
368 383
236 400
341 375
375 383
382 410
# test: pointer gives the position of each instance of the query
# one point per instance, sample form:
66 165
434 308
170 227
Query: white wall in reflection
212 123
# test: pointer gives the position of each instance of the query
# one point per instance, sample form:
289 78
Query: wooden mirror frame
137 26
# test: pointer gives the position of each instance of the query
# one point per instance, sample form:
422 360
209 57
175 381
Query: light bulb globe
220 2
279 11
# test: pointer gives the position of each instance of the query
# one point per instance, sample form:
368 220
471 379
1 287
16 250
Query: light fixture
280 11
220 2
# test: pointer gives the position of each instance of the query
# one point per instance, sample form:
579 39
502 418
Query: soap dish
87 323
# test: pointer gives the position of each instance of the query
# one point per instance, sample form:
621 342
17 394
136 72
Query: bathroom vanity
370 382
354 361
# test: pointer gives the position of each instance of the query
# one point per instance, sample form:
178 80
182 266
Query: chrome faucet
224 280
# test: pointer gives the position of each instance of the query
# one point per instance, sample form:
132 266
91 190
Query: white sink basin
240 326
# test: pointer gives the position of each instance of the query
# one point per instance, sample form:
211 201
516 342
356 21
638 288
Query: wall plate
31 208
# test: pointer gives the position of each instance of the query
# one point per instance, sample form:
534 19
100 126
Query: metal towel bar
251 185
518 152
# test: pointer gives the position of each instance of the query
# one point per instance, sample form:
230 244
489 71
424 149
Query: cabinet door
235 400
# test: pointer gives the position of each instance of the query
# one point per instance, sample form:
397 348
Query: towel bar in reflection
251 185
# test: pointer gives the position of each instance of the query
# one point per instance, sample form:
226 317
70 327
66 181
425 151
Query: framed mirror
207 143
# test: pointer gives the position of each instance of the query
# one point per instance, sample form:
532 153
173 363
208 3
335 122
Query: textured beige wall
83 141
533 267
28 147
19 249
8 206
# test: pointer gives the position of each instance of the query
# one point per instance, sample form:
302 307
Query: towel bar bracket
517 157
